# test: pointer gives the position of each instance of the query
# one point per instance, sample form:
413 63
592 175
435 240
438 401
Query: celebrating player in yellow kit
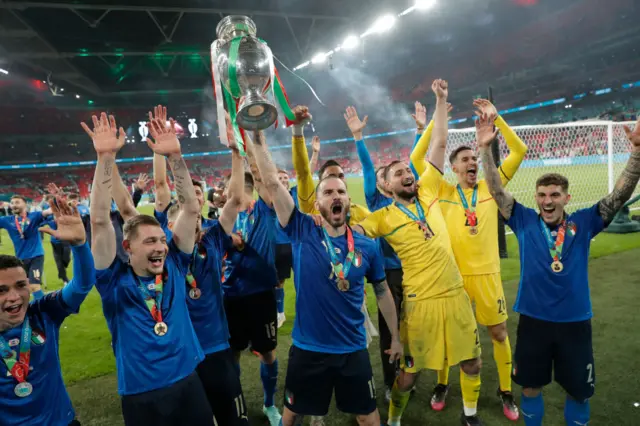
471 215
438 328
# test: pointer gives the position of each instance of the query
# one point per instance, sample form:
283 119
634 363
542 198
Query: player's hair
388 167
248 180
378 170
73 196
553 179
18 196
8 262
326 165
130 228
458 150
283 171
173 212
198 184
324 180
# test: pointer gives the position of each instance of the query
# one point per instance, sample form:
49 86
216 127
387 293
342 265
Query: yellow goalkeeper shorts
438 332
486 292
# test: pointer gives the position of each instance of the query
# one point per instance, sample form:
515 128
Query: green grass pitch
89 366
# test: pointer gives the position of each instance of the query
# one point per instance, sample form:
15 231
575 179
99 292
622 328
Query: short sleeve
519 215
429 183
215 237
371 224
589 219
104 277
53 306
180 258
162 217
36 218
299 225
375 273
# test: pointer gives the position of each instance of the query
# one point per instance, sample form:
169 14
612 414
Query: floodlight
77 96
383 24
319 58
302 65
351 42
425 4
3 71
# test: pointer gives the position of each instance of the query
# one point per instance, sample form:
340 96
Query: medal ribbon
191 280
555 247
20 224
340 270
18 367
470 212
154 303
420 219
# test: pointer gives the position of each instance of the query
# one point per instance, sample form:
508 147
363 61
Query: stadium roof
127 52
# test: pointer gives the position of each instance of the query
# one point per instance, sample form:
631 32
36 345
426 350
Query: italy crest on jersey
357 259
37 337
572 228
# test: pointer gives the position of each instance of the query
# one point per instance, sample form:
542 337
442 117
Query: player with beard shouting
470 213
32 391
554 331
438 327
144 301
329 340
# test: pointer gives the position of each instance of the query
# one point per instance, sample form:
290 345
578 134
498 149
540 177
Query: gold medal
557 266
160 329
473 230
343 285
195 293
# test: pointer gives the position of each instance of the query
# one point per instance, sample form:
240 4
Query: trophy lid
233 26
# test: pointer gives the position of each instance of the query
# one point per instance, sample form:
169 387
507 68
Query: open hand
355 124
166 140
634 135
484 106
485 130
440 88
105 134
315 144
395 352
317 219
420 116
142 181
68 221
53 189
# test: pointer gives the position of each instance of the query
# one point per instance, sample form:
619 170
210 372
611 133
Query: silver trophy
244 66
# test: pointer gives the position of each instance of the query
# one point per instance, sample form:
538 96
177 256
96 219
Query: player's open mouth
336 208
407 183
156 260
549 209
472 173
14 309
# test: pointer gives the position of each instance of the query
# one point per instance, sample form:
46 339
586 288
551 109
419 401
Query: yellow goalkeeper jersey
428 265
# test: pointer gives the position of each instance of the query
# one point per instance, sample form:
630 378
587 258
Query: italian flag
37 338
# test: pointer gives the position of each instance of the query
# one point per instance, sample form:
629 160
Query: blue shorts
312 377
34 268
564 349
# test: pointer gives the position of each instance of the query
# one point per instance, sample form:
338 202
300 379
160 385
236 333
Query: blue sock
576 413
532 410
280 299
37 295
269 376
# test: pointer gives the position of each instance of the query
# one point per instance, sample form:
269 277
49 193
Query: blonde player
438 328
471 216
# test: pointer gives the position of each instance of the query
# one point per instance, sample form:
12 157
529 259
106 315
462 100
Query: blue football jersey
543 293
49 403
207 312
252 270
27 244
328 319
145 361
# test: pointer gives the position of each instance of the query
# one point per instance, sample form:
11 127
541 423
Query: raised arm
167 144
122 197
517 148
485 134
236 189
356 126
255 172
282 201
106 143
163 192
440 124
300 157
627 181
71 229
315 154
139 188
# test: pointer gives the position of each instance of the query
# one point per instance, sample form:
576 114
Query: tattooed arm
106 143
626 184
185 225
485 134
122 197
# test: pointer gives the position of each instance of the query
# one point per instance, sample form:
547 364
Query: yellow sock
399 401
470 392
443 376
502 356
